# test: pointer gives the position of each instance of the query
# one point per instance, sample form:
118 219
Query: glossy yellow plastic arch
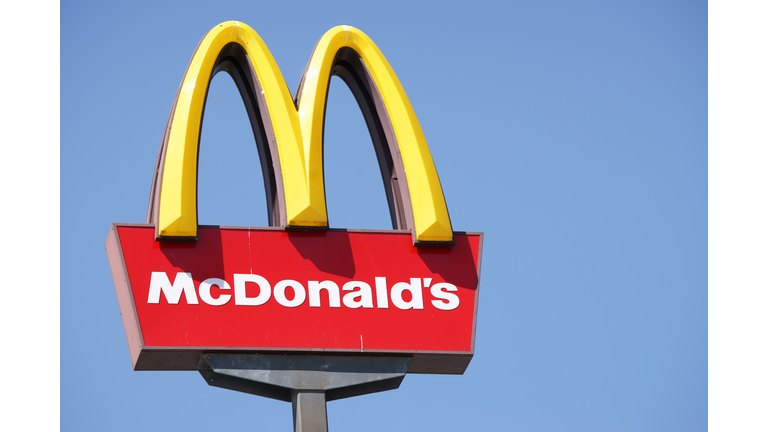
298 133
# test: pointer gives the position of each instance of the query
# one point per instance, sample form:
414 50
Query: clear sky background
573 134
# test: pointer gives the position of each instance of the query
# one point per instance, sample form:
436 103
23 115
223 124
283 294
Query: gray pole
309 411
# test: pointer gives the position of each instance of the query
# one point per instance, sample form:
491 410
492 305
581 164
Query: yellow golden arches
297 134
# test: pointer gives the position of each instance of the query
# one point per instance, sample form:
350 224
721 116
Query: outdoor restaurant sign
297 286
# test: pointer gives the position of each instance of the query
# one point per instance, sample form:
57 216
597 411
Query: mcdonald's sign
296 286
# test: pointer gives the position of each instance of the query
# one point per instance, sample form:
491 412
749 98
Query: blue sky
574 135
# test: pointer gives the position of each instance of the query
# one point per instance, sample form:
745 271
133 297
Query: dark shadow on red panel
456 264
188 256
329 251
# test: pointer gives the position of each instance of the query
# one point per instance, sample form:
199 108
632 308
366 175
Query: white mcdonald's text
404 295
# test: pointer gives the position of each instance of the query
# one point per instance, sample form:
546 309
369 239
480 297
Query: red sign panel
268 289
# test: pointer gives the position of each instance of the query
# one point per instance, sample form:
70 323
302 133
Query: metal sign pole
307 381
309 411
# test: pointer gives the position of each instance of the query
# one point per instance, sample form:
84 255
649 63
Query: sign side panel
124 295
477 290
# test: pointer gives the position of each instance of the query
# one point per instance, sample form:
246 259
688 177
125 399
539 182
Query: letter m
183 282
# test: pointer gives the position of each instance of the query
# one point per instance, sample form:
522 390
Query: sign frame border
155 358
